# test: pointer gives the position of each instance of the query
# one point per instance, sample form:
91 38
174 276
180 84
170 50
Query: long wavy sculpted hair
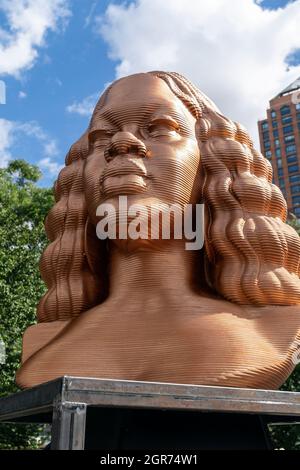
252 254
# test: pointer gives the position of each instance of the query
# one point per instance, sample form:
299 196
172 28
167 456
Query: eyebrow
162 116
110 118
112 115
102 122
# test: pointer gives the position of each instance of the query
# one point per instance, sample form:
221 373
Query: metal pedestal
120 414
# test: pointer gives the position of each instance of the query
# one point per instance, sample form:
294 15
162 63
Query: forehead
136 98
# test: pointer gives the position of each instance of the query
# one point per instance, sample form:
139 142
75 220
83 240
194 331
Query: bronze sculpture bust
136 309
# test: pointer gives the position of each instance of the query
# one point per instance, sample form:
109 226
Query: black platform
88 413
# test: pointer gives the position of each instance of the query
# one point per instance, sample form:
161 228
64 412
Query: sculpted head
157 139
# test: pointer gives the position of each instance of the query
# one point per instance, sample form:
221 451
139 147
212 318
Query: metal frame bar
68 398
36 400
126 393
68 426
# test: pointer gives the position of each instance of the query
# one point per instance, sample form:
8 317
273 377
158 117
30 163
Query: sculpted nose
123 143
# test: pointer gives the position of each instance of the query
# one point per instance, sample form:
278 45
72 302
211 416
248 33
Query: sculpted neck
145 273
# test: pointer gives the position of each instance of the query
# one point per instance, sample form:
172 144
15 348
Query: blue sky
54 76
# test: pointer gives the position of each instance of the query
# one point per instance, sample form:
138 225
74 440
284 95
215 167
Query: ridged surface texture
148 308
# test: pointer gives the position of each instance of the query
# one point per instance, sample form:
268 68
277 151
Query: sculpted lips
126 174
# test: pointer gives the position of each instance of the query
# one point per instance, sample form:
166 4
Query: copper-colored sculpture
149 309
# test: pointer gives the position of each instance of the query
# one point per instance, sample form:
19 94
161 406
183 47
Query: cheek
176 170
188 152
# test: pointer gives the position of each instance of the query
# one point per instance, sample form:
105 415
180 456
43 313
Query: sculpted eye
101 137
163 126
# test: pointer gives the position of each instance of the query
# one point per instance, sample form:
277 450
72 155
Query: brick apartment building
279 136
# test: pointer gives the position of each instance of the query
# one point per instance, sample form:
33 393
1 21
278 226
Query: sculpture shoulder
217 305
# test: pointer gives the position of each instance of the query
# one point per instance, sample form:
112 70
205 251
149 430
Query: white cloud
12 131
89 17
2 92
84 107
32 128
6 140
51 166
28 23
233 50
50 148
22 95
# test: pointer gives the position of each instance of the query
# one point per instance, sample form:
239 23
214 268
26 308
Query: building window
292 159
277 143
265 125
298 116
296 211
273 113
290 148
266 135
281 183
286 120
295 189
280 172
268 154
287 129
289 138
293 168
294 178
275 133
296 200
297 105
278 152
267 144
274 124
285 110
279 163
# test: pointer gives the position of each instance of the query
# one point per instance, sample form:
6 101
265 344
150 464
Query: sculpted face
143 145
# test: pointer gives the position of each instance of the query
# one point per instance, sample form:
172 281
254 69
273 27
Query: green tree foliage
23 207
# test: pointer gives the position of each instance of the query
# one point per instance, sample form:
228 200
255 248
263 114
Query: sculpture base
120 414
157 430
